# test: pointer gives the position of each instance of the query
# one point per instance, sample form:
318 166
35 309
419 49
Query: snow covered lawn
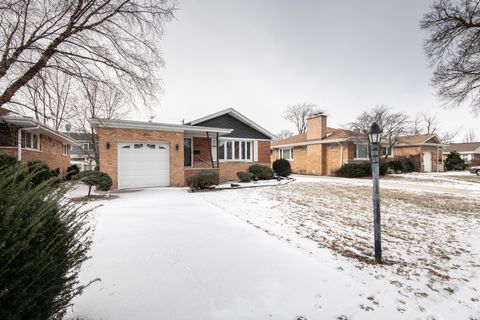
431 240
302 249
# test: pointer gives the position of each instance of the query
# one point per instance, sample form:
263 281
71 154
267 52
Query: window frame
31 139
87 148
191 152
245 149
65 148
390 154
356 157
282 151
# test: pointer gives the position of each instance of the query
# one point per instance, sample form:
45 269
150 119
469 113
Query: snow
274 253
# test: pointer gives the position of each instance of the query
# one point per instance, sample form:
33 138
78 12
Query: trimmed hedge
282 167
72 171
245 176
261 172
403 165
203 179
101 180
359 170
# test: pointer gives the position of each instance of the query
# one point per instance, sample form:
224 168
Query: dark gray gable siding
240 129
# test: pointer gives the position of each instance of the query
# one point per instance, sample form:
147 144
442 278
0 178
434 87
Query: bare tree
470 136
298 115
99 100
448 136
96 40
283 134
392 124
50 97
453 49
424 123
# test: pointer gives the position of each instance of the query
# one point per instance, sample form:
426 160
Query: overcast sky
259 56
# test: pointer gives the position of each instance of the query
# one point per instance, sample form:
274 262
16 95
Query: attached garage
143 164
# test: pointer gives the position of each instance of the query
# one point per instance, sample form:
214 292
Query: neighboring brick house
322 150
469 151
148 154
28 140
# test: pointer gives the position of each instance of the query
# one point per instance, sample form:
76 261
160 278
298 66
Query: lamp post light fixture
375 136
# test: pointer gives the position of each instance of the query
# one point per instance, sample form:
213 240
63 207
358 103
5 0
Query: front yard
430 239
281 252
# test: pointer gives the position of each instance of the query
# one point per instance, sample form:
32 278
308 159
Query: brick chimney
317 126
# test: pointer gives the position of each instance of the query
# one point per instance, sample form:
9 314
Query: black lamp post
375 136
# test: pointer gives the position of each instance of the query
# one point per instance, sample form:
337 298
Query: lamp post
375 135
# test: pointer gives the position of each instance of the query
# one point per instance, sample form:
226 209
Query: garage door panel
143 164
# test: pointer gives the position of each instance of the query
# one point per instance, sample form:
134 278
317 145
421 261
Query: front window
387 151
361 151
286 153
235 150
187 152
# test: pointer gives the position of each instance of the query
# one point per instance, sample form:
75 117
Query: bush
41 172
261 172
43 243
455 162
355 170
6 160
203 179
282 167
245 176
408 166
72 171
101 180
359 170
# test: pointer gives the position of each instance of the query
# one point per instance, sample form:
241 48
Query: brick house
83 154
28 140
469 151
322 150
148 154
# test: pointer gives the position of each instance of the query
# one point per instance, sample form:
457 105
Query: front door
427 162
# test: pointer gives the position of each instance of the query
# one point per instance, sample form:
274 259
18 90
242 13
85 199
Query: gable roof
237 115
419 139
467 147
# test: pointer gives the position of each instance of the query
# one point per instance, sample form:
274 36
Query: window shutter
255 150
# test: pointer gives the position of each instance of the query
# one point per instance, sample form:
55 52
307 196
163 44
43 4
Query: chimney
317 126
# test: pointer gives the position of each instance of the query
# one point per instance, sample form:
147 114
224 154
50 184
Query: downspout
19 145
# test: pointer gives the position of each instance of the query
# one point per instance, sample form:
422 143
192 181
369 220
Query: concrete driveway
168 254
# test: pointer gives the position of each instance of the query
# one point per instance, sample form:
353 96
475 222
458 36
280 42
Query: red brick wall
53 157
264 151
201 153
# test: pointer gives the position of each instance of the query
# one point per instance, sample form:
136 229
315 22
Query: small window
387 151
28 140
54 147
65 149
86 146
138 145
286 153
160 147
150 146
127 146
334 146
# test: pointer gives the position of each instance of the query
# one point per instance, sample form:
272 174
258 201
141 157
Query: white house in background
469 151
82 155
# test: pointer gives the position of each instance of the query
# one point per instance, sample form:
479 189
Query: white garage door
143 164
